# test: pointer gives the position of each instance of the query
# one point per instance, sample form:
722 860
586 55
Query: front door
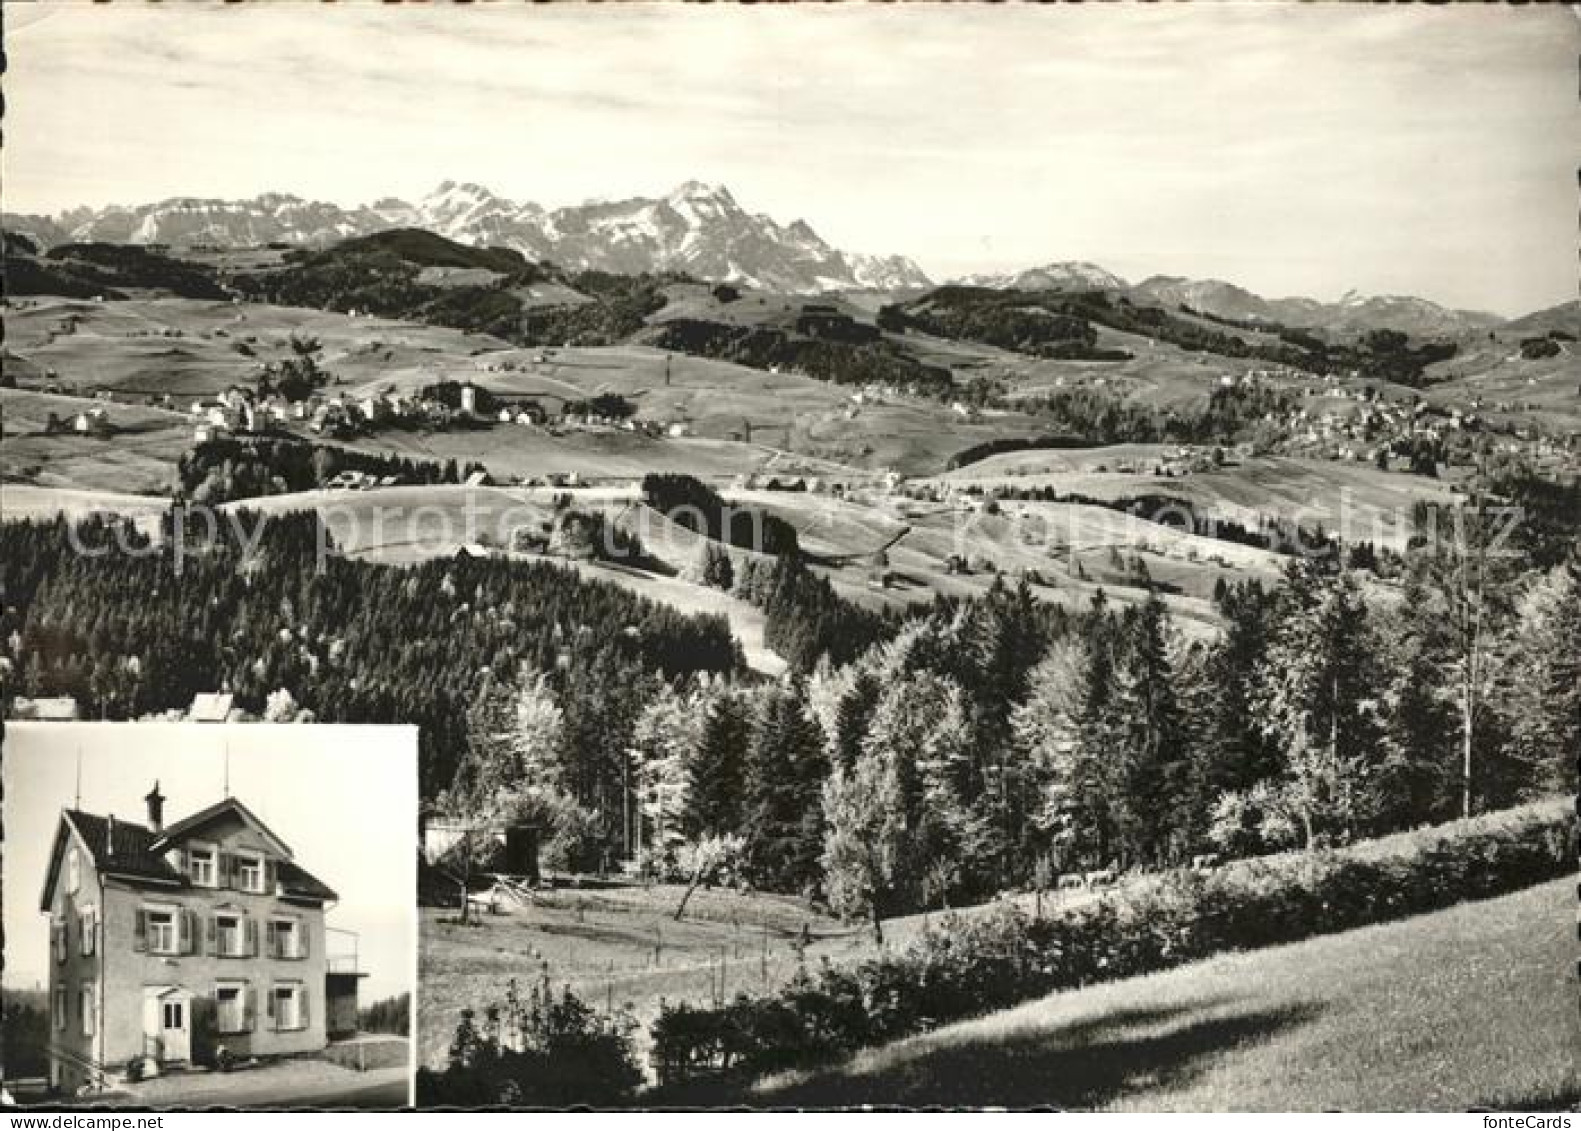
175 1029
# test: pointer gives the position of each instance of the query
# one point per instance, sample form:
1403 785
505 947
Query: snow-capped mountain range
698 228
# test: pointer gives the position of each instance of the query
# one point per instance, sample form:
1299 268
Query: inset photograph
209 915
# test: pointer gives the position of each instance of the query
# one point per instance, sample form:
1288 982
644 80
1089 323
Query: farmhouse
94 422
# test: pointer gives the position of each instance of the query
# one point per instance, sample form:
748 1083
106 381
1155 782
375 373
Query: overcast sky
1393 149
344 798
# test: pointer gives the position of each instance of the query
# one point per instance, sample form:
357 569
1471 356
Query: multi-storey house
170 942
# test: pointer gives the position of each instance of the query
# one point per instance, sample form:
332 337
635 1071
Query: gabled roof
137 853
131 855
189 826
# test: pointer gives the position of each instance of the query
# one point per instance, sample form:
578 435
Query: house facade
167 943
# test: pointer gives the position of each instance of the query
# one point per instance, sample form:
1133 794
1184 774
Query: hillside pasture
138 456
188 348
1469 1007
19 502
1354 500
819 426
613 946
597 454
1545 392
406 525
1066 550
621 944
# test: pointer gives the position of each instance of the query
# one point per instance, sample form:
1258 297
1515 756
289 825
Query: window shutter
269 1006
140 931
222 869
214 934
249 1009
272 939
303 1020
252 936
268 876
302 936
189 932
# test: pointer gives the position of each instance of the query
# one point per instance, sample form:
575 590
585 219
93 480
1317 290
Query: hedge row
974 966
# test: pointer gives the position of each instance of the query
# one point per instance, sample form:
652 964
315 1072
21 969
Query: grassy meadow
1468 1007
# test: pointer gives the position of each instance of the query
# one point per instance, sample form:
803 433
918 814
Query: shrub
546 1051
992 961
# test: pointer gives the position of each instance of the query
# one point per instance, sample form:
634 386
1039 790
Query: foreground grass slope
1471 1006
617 946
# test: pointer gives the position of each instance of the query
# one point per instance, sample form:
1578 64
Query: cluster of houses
241 411
94 421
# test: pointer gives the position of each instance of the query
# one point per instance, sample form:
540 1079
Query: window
250 873
201 867
174 1015
60 1007
229 936
87 929
73 871
289 1006
161 931
87 999
287 939
230 1008
57 939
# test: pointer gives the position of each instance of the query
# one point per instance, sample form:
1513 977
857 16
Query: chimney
156 808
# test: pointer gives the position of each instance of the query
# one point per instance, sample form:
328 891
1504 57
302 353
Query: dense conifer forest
904 762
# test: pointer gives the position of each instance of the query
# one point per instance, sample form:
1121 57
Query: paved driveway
298 1083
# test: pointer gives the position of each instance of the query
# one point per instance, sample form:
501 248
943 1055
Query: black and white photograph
214 915
934 555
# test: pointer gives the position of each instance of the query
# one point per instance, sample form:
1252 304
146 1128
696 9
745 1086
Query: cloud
1037 131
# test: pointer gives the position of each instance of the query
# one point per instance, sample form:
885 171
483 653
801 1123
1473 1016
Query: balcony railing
341 951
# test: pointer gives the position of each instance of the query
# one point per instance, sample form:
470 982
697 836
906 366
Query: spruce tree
1150 766
786 766
718 770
